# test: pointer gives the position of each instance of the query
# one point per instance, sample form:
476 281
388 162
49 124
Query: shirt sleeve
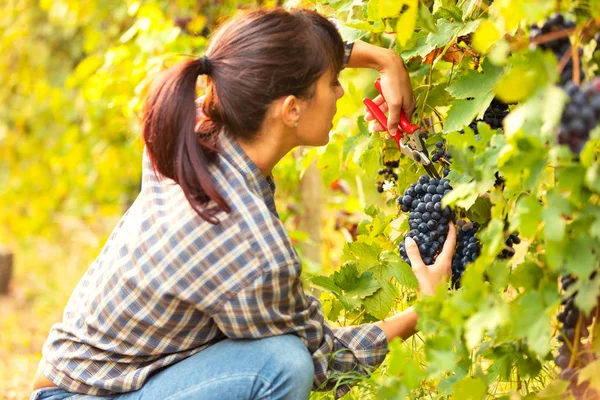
275 304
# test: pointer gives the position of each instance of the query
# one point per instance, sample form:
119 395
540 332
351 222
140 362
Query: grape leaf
475 84
487 319
380 304
470 389
589 290
552 214
526 276
554 390
475 93
366 255
592 178
364 286
527 216
531 321
422 43
346 277
580 258
326 283
591 373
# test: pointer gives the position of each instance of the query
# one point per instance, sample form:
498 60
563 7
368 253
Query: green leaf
555 390
380 304
592 178
365 286
346 277
552 214
427 19
475 91
530 321
480 211
325 282
366 255
404 274
422 43
475 84
580 258
441 355
470 389
527 216
526 276
588 292
463 195
402 363
463 111
487 319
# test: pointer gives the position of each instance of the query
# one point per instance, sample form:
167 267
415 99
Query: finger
379 100
375 127
412 252
369 116
394 117
408 107
444 259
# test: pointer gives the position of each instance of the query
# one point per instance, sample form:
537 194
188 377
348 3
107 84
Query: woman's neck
267 148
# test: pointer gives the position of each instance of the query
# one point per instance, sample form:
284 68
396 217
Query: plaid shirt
167 285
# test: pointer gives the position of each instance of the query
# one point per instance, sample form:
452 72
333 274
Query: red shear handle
379 115
405 124
382 119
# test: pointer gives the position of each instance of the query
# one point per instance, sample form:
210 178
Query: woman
197 292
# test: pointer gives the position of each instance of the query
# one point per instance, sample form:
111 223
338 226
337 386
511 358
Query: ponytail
176 149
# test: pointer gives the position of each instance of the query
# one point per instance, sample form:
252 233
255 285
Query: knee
291 363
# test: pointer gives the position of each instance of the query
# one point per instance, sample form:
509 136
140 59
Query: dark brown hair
252 60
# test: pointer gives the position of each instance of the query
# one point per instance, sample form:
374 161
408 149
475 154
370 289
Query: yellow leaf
485 35
406 22
197 24
516 85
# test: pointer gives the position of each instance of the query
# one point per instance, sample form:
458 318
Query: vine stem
576 66
429 79
358 316
575 342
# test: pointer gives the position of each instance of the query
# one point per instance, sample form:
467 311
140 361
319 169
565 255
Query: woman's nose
340 92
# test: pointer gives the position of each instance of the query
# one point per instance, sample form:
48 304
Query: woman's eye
336 83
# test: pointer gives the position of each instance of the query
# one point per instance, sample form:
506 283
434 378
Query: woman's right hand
429 276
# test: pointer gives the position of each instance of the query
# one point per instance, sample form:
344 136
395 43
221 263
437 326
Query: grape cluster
439 153
428 220
580 115
493 116
559 46
509 251
468 248
387 174
575 327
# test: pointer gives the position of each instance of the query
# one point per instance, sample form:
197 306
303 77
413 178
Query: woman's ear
291 109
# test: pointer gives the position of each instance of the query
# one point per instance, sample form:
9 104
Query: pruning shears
406 137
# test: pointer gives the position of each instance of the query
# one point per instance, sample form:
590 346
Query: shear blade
431 171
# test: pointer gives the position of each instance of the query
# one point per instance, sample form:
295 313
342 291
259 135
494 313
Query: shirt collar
233 153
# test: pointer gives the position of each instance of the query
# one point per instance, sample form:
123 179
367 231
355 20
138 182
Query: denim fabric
278 367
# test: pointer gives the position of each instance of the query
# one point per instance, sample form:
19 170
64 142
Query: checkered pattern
168 284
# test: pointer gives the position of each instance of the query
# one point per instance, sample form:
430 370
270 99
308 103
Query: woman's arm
403 325
395 81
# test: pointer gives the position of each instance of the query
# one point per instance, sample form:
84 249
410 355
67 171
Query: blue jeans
278 367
